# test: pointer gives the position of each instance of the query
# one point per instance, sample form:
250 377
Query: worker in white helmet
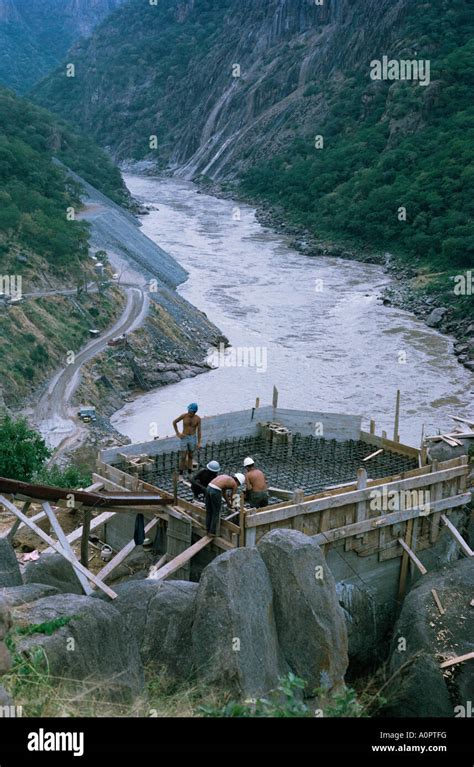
256 485
201 479
222 488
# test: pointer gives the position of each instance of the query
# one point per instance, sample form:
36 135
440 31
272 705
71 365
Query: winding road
53 414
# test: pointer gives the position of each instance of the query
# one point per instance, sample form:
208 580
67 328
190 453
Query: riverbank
430 297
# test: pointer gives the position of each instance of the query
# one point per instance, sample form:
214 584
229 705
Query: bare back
256 481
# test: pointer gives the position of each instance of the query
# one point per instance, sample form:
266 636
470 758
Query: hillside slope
375 164
35 35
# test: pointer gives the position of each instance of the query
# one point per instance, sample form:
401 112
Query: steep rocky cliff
36 34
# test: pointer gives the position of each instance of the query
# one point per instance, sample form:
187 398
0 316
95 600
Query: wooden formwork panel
179 535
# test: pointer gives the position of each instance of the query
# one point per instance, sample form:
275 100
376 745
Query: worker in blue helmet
190 437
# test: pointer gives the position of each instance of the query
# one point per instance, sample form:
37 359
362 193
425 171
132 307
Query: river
313 327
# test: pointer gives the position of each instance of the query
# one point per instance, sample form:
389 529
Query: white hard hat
240 478
249 462
213 466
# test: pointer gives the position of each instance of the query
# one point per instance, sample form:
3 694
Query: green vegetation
23 452
387 146
23 456
287 702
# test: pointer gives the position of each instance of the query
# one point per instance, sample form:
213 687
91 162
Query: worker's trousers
213 509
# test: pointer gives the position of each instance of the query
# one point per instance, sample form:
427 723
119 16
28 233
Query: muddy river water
313 327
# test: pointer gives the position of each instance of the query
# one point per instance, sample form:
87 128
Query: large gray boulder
159 615
53 570
310 622
94 648
29 592
234 638
5 625
10 574
436 317
420 687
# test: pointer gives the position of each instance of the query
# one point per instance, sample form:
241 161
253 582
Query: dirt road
53 415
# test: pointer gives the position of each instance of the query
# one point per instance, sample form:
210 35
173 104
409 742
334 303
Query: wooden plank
56 547
388 519
61 536
436 493
154 568
457 535
179 561
361 507
355 496
373 455
458 659
394 447
123 553
412 555
404 562
462 420
250 534
17 524
438 602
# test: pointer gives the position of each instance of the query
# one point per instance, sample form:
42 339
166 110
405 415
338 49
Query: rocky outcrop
423 638
310 623
93 649
30 592
158 615
10 574
234 635
53 570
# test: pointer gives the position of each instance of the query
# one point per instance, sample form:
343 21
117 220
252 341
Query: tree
23 451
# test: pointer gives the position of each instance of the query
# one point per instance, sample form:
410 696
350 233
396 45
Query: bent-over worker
221 488
201 479
256 485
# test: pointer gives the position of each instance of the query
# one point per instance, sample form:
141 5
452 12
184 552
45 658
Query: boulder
30 592
441 451
53 570
10 574
436 317
94 647
420 687
310 622
234 638
158 614
5 625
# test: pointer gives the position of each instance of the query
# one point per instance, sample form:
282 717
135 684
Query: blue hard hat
193 407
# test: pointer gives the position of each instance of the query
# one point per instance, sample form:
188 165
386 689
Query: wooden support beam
56 547
66 546
396 435
181 559
438 602
458 659
412 554
86 529
154 568
123 553
462 420
17 524
404 562
361 507
457 536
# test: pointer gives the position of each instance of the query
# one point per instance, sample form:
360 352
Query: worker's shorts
257 499
189 443
213 509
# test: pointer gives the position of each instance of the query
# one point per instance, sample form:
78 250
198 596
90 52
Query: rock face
234 637
5 660
94 645
423 689
30 592
310 623
436 317
10 574
53 570
158 615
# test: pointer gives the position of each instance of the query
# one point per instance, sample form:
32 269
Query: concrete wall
243 423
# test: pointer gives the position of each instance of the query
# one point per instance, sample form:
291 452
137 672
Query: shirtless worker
221 488
190 436
257 489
